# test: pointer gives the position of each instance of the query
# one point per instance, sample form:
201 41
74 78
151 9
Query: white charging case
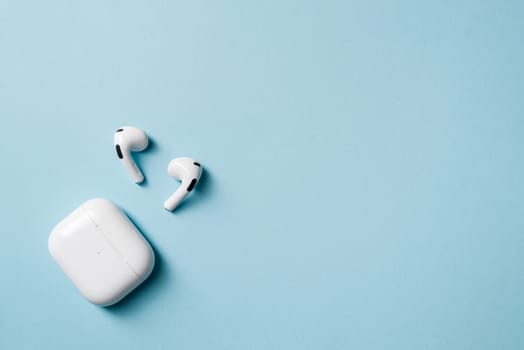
101 252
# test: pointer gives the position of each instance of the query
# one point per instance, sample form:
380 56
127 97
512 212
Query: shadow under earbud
141 294
203 188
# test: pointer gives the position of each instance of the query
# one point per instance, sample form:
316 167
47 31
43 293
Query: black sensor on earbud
119 152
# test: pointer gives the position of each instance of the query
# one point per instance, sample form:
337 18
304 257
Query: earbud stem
135 173
176 198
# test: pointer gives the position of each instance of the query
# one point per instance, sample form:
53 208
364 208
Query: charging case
101 252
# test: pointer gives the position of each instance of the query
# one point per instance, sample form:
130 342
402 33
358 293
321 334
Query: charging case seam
109 241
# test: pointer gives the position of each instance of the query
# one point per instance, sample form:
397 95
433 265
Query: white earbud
130 139
187 171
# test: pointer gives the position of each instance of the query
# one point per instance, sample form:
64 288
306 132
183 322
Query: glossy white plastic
101 252
186 170
130 139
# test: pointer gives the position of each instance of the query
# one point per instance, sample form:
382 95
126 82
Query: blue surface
364 171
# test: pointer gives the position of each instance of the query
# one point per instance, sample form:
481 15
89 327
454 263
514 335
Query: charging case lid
101 251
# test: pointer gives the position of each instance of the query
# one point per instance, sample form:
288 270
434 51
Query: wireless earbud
187 171
130 139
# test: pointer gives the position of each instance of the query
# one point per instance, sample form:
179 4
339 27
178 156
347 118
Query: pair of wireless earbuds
131 139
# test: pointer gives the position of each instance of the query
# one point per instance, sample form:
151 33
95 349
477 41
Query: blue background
364 171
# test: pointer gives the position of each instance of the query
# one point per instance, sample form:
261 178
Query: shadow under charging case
101 252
